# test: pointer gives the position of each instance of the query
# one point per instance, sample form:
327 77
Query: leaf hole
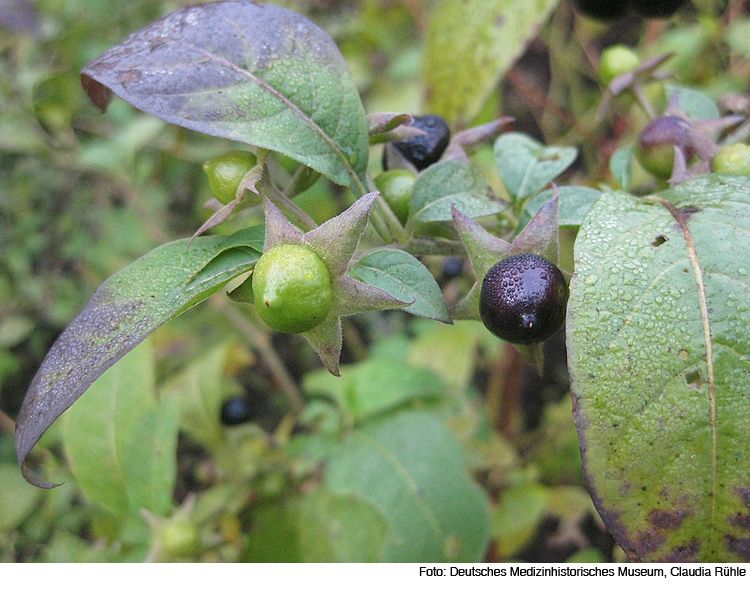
694 379
659 240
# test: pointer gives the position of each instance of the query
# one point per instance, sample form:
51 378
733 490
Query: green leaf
372 387
339 528
411 468
526 166
621 166
405 278
574 203
470 45
694 103
17 498
122 312
450 183
250 72
100 433
659 357
150 462
517 516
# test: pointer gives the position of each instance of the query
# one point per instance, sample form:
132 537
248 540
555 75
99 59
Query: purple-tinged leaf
123 311
254 73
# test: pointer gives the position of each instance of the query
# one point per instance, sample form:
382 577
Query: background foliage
443 416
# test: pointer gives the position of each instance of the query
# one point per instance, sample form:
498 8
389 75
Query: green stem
287 206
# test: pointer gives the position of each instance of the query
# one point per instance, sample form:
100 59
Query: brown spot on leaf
744 493
667 520
649 541
741 520
687 553
739 546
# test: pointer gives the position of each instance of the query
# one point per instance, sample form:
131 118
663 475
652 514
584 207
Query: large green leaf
121 442
251 72
411 469
659 353
122 312
470 45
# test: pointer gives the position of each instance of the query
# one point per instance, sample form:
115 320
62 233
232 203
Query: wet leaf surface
122 312
659 357
254 73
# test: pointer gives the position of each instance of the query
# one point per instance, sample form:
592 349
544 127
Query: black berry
236 411
423 150
603 10
523 299
656 8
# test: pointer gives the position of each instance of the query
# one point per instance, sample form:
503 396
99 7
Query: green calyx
292 289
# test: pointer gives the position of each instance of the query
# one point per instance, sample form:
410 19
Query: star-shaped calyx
540 237
335 243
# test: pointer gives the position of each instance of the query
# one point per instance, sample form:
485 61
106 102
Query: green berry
655 149
523 299
226 172
615 61
180 539
734 159
395 186
292 288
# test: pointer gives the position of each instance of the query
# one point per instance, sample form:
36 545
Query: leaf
374 386
447 184
526 166
254 73
122 312
338 528
621 166
659 357
410 468
470 45
405 278
574 203
105 433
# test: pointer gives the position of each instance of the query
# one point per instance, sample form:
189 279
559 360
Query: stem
287 207
262 342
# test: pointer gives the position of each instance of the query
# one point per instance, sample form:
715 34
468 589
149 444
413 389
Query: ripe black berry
236 411
603 10
523 299
423 150
656 8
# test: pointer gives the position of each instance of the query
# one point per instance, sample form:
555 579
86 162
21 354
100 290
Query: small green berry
180 539
226 172
655 149
734 159
292 288
395 186
615 61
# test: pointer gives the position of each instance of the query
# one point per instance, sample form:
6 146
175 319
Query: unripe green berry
180 539
734 159
395 186
292 288
615 61
655 149
226 172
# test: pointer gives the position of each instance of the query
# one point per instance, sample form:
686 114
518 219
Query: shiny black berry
523 299
656 8
423 150
603 10
236 411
